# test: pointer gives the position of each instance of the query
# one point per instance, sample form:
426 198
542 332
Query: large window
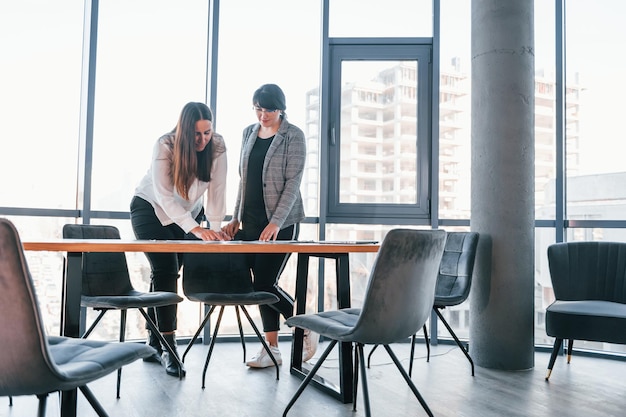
379 131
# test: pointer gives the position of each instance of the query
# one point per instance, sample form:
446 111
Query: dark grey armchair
398 301
33 363
107 286
589 281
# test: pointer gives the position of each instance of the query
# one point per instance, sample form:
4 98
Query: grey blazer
282 174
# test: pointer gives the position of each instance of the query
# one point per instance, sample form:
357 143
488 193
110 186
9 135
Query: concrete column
503 188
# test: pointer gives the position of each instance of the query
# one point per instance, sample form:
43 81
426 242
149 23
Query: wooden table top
198 246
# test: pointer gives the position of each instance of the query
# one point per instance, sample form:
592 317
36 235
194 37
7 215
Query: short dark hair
270 97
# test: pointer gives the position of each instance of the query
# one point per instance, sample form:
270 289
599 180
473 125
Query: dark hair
189 164
270 97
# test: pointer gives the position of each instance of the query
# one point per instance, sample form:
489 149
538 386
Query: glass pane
151 61
545 110
596 181
455 111
46 268
40 57
378 132
287 54
369 18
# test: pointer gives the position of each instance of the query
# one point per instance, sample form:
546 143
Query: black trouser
164 267
266 270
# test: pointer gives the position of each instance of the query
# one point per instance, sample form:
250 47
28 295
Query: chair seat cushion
132 299
80 361
337 324
249 298
593 320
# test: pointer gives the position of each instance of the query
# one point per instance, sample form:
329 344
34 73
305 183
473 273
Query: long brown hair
187 163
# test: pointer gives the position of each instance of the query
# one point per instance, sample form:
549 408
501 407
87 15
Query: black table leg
343 392
70 320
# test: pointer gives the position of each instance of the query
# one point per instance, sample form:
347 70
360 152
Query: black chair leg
366 396
207 317
427 340
355 376
41 411
262 340
570 347
310 376
10 401
164 343
93 325
243 342
369 357
411 355
408 380
456 339
122 338
555 351
93 401
212 344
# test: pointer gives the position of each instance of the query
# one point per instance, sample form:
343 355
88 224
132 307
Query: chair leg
427 340
310 376
411 355
355 375
207 317
366 396
93 401
456 339
261 339
164 343
95 322
369 357
43 399
122 338
570 347
212 344
555 351
10 401
408 380
243 342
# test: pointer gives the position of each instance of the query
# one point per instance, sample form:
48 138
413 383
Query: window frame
373 49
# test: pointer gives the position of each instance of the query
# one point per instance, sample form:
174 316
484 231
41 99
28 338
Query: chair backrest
456 269
25 364
588 271
401 287
103 273
222 273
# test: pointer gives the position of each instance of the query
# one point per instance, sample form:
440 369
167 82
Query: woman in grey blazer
269 204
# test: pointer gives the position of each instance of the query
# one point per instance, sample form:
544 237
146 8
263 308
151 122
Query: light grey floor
587 387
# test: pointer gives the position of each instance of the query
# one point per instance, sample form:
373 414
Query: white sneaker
309 344
263 360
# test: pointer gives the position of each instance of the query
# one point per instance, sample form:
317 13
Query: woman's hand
208 234
269 233
231 229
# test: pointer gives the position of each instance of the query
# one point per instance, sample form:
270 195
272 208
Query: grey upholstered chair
589 282
33 363
221 280
398 300
453 286
107 285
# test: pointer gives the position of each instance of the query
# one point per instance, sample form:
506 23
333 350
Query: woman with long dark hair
188 167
